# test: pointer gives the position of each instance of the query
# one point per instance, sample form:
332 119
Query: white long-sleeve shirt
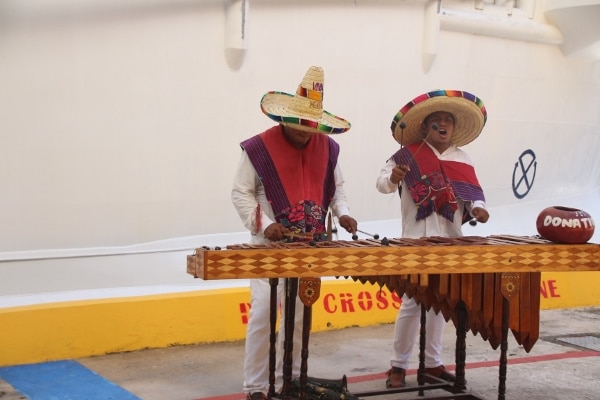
248 191
434 224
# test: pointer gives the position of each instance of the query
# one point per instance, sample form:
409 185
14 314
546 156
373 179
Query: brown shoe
441 373
256 396
396 378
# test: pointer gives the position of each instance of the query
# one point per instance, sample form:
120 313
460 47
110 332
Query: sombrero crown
304 110
468 110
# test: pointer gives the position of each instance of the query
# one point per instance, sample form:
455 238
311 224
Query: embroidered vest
299 183
435 184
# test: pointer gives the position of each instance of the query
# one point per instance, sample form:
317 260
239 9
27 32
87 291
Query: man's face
442 137
298 138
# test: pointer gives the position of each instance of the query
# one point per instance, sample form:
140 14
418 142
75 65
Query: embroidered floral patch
433 193
303 217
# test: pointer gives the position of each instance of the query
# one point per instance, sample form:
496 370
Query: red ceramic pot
565 225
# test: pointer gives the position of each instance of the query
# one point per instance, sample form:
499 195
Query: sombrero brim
279 107
468 110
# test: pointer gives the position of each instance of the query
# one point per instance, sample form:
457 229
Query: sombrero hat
468 110
304 110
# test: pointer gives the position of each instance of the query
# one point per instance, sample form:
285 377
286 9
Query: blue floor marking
62 380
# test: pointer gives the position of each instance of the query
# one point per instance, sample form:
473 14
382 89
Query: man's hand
398 173
348 223
480 214
275 232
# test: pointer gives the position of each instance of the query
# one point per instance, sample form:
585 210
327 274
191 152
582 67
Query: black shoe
256 396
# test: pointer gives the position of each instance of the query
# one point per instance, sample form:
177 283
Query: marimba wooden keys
401 256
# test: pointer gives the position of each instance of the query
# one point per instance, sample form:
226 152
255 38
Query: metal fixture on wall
431 33
236 14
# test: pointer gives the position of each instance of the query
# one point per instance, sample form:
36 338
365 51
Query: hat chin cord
435 127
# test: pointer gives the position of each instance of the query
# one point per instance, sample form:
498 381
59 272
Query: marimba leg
273 335
422 341
458 387
510 288
309 289
461 346
291 291
304 356
503 350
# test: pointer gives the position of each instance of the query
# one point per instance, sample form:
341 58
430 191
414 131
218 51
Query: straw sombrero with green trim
468 110
304 110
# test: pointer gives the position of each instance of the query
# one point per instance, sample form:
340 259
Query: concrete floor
563 364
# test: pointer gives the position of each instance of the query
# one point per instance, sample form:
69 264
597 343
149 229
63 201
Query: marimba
468 254
484 284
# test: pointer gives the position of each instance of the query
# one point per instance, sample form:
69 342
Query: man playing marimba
287 178
439 192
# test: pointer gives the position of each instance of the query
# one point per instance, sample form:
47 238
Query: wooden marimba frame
488 285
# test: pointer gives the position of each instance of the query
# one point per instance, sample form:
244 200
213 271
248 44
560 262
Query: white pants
406 330
256 362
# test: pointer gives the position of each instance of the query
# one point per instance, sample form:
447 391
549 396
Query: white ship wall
120 122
